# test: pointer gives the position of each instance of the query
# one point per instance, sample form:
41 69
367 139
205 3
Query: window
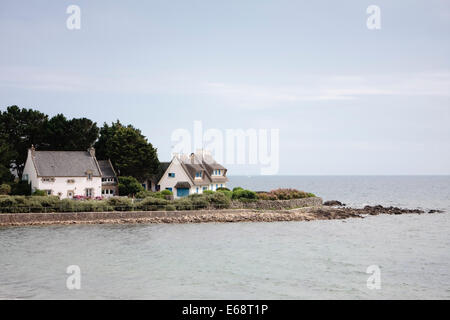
198 175
205 188
71 181
70 194
197 189
89 192
170 189
221 185
171 175
25 177
89 176
48 179
217 186
49 192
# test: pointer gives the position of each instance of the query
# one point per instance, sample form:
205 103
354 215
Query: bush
266 196
21 188
40 193
219 200
237 189
287 194
5 189
119 203
241 194
170 207
183 204
208 192
152 204
223 189
144 194
226 192
199 201
167 193
129 186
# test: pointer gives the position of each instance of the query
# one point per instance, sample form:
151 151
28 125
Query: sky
347 100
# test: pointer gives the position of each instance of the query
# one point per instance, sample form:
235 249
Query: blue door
182 192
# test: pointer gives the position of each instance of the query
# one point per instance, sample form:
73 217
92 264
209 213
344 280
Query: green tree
129 151
69 135
19 129
129 186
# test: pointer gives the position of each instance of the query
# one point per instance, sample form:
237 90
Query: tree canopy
127 148
129 151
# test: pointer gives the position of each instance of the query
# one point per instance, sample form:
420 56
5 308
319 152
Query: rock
333 203
435 211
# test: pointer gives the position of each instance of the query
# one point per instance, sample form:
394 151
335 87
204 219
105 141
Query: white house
195 173
69 173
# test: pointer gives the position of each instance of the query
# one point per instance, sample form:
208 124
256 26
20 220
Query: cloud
304 88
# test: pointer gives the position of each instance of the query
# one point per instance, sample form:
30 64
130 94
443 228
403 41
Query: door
182 192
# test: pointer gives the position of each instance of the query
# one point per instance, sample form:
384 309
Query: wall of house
30 171
180 175
60 185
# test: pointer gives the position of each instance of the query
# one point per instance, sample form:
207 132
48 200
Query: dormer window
89 174
218 172
198 175
171 175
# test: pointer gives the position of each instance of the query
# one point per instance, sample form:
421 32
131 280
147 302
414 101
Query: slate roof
65 164
106 169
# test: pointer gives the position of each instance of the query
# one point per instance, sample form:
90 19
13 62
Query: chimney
91 151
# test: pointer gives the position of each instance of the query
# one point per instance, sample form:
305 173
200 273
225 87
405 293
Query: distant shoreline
200 216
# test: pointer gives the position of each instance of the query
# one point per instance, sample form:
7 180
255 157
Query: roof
106 168
65 163
183 184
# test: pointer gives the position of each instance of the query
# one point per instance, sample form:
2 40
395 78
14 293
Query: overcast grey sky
347 100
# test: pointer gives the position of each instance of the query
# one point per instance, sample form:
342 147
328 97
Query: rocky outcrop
334 203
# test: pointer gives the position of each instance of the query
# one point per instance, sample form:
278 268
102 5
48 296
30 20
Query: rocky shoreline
218 216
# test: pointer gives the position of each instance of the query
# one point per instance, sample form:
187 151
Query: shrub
170 207
267 196
119 203
240 194
223 189
208 192
167 193
199 201
38 192
226 192
287 194
152 204
219 200
144 194
129 186
5 189
237 189
183 204
22 188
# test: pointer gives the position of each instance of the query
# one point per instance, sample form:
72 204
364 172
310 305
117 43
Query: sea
378 257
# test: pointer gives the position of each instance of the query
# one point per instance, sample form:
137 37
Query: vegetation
129 186
129 151
5 189
38 192
284 194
